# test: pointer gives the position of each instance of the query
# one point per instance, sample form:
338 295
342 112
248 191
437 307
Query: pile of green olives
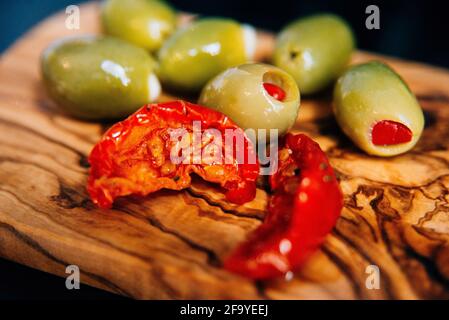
108 77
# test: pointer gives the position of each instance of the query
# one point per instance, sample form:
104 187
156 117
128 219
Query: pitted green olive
255 96
99 78
145 23
314 50
377 110
195 54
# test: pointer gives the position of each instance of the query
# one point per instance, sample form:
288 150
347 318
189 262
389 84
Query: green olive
99 78
145 23
241 94
370 94
195 54
314 50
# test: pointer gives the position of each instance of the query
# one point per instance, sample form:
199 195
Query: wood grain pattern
171 244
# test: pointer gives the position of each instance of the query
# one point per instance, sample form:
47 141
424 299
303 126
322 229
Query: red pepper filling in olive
387 132
275 91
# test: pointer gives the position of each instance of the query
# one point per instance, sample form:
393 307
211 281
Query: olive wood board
170 245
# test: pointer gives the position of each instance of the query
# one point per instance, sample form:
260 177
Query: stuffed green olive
99 78
377 110
195 54
255 96
314 50
145 23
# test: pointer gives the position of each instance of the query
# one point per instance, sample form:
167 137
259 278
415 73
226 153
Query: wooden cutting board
171 244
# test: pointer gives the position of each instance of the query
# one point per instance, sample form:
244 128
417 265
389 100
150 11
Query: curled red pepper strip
304 208
134 156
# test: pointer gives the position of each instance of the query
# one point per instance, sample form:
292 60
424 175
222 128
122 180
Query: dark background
416 30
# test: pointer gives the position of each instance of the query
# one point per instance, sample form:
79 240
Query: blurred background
411 29
416 30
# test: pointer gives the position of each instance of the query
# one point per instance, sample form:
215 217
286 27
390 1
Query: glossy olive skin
145 23
99 78
314 50
239 93
368 93
195 54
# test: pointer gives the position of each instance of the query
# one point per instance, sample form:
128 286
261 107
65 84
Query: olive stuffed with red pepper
377 110
256 96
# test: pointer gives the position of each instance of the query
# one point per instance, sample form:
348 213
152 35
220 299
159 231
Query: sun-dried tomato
135 156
